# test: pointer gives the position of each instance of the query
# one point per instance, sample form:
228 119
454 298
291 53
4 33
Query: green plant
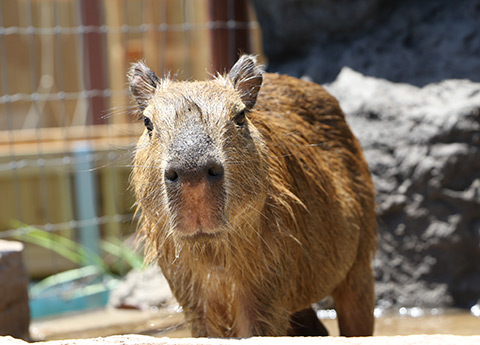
93 264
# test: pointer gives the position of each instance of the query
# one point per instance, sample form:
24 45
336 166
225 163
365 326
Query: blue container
72 291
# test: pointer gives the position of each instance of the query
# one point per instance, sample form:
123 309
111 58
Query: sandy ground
168 323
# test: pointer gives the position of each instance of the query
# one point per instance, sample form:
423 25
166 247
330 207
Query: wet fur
299 210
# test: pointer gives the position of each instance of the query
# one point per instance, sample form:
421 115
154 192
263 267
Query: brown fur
295 222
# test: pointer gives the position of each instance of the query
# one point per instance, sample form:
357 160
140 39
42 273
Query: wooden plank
117 68
109 206
57 140
25 203
153 39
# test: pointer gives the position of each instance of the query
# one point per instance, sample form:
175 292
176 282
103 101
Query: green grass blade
61 245
64 277
119 249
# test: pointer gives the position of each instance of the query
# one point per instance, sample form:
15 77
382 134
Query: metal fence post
86 201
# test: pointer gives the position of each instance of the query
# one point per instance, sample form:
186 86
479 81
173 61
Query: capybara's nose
212 171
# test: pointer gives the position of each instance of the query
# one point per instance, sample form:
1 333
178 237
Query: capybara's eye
148 124
239 119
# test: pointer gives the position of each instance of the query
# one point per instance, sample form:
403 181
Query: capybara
256 201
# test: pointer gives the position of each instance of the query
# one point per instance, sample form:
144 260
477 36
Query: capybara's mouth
202 236
198 208
195 225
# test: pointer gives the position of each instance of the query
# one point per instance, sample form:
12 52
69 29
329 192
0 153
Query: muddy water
168 323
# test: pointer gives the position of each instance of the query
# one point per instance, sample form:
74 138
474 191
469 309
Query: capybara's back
256 202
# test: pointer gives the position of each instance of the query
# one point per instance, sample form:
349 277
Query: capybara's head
199 165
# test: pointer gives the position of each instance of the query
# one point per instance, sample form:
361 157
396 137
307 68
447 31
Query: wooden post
94 58
228 42
117 65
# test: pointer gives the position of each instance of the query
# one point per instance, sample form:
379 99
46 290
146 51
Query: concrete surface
145 340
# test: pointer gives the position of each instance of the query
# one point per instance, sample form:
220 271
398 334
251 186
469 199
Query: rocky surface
423 148
418 42
145 340
143 290
14 309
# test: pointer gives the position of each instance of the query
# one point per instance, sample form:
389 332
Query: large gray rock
404 41
423 148
14 309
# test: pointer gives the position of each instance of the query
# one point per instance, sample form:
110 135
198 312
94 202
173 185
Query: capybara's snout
195 186
211 171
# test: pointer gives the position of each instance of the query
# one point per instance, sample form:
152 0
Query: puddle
457 322
452 322
407 321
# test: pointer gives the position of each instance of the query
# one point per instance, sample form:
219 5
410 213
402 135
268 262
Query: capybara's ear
246 77
143 83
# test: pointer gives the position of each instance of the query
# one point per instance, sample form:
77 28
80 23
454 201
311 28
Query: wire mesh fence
65 130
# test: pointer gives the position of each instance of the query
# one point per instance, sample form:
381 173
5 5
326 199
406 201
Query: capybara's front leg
355 301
